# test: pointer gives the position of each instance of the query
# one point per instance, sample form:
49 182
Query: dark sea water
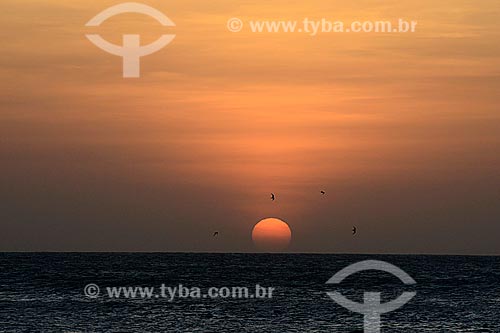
45 293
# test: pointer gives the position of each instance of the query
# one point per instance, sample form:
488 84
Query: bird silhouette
273 196
216 234
323 192
354 230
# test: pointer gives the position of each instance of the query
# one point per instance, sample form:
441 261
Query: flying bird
354 230
323 192
273 196
216 234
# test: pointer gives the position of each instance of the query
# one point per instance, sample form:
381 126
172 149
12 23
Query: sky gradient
402 131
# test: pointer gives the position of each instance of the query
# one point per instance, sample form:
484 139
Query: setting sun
271 234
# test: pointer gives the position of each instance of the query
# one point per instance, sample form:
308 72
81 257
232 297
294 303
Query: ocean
46 292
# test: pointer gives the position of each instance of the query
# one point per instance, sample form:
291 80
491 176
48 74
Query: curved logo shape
131 50
372 307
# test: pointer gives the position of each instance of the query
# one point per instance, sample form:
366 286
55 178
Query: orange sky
401 130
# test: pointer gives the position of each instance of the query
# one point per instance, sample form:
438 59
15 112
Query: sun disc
271 234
